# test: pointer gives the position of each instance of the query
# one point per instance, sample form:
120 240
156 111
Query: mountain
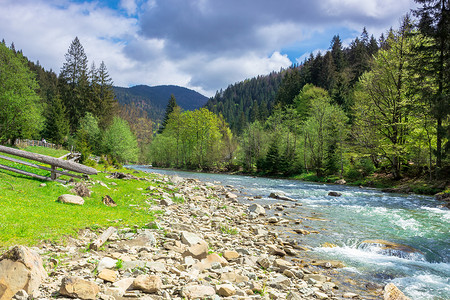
154 99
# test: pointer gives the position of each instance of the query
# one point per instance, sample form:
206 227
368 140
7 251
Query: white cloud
129 5
205 45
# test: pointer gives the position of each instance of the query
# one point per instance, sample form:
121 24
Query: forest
379 105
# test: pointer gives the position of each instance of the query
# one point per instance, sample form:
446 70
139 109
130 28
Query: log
30 174
39 167
53 161
102 238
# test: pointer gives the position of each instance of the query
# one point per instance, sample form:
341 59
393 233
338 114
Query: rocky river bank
207 244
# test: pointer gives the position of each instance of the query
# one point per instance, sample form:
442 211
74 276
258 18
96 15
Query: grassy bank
30 213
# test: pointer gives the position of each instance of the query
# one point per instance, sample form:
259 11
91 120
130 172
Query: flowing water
422 270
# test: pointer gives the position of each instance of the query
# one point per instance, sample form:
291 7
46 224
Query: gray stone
198 291
257 209
334 194
189 238
106 263
71 199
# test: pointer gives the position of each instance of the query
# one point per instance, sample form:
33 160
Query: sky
204 45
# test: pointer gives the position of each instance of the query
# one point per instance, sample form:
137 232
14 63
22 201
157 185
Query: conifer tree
56 125
107 106
74 84
169 109
434 63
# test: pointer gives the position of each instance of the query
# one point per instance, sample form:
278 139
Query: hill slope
154 99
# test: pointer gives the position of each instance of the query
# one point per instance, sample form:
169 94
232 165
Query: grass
30 213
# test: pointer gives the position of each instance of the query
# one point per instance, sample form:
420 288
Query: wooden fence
43 143
52 161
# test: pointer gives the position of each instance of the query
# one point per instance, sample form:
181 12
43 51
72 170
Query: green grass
30 213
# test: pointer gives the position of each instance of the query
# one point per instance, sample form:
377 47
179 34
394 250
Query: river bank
204 243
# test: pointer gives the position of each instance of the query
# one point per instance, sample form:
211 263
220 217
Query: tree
74 83
56 124
119 141
169 109
106 107
21 110
434 63
324 130
384 104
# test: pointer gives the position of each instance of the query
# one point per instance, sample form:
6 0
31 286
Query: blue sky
200 44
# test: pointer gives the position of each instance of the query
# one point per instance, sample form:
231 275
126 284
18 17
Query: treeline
377 105
75 108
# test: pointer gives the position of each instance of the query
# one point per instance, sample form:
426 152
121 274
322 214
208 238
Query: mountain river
361 214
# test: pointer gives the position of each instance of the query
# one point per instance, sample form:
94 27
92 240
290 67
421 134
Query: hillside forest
379 105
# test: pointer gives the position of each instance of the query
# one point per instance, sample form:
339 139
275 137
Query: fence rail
22 143
52 161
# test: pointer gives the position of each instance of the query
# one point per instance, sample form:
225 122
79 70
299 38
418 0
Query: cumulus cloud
200 44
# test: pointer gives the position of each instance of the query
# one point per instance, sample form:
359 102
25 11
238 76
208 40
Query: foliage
21 110
192 139
119 141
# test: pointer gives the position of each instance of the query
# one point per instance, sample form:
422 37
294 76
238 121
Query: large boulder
71 199
390 248
20 269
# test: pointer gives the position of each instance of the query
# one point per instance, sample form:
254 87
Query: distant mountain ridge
154 99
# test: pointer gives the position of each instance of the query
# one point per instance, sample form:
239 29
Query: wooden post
53 176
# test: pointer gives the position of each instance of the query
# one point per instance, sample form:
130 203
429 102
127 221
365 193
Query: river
362 214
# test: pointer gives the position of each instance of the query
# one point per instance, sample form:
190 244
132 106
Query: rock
257 209
108 275
81 190
391 292
274 250
42 185
230 195
210 260
76 287
320 295
148 283
294 296
349 295
123 285
166 202
198 251
21 295
71 199
226 290
390 248
334 194
20 269
106 263
316 277
272 220
282 264
264 262
189 238
230 255
198 291
340 181
281 196
233 277
301 231
108 201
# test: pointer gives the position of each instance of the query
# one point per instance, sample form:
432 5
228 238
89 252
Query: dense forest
379 105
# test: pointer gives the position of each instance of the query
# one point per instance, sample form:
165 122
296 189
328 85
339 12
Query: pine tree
107 106
169 109
434 62
74 84
56 124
